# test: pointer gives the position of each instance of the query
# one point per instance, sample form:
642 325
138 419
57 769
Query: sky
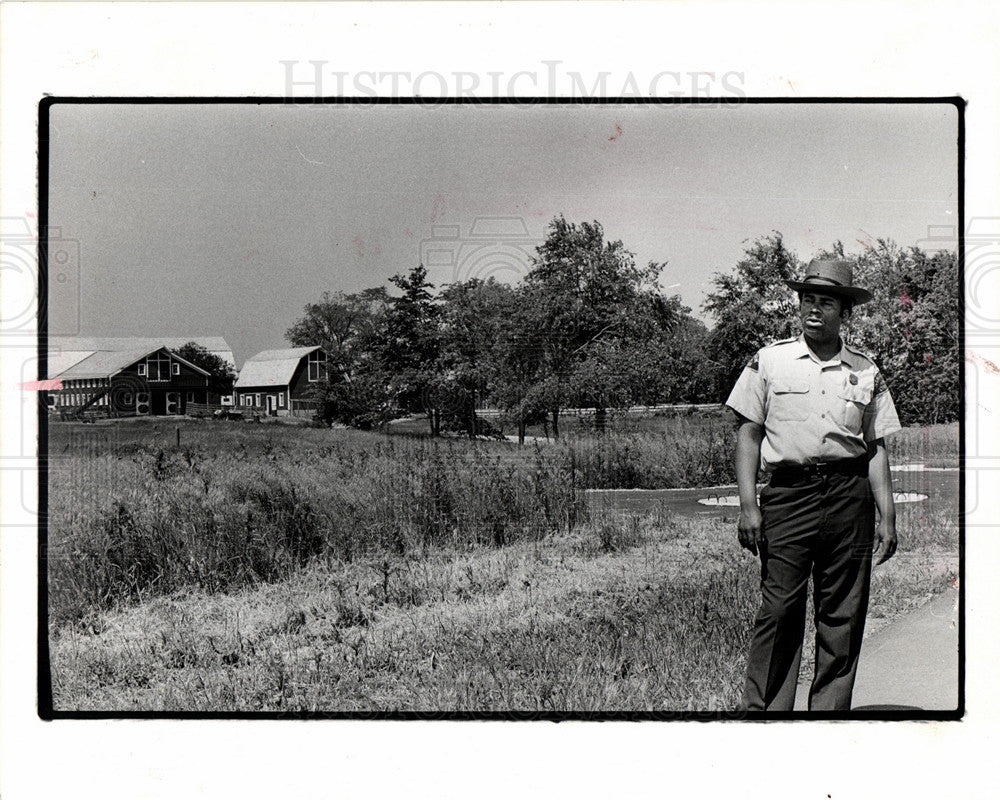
225 220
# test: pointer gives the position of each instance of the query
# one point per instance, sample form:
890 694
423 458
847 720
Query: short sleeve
880 418
747 396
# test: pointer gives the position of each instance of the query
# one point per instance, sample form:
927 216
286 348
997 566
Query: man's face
821 315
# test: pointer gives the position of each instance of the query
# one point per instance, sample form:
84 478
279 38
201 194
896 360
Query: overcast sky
225 220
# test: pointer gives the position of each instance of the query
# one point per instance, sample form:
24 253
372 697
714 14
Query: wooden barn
66 347
125 383
278 383
103 357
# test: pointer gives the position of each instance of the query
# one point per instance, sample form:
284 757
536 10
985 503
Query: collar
802 351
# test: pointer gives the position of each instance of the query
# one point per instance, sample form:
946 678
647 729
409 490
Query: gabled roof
216 345
105 363
272 367
59 362
101 364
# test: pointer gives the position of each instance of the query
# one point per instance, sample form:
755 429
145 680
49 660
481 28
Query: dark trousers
822 524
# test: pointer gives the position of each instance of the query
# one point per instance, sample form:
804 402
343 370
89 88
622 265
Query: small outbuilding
279 383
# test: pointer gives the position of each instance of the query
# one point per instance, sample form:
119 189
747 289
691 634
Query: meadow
270 568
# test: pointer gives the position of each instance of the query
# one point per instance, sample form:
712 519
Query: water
932 487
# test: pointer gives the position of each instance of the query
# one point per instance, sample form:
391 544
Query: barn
125 382
68 347
103 357
279 383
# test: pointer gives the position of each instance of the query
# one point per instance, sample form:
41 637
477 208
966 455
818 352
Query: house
279 382
125 382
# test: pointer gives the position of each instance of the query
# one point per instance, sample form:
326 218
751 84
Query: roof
104 363
60 362
272 367
101 364
59 345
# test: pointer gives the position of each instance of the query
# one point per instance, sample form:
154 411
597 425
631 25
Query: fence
303 408
632 411
200 409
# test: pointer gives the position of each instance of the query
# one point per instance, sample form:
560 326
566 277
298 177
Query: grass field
373 573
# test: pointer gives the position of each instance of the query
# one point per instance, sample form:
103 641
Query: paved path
911 664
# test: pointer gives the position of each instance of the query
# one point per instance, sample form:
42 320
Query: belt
795 472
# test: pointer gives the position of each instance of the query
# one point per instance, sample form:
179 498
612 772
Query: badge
853 379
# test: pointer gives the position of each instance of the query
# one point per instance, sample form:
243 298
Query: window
142 370
190 397
175 368
281 400
256 399
317 366
158 367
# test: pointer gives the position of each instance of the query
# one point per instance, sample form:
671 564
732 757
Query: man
813 412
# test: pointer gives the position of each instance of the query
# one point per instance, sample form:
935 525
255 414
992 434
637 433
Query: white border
782 49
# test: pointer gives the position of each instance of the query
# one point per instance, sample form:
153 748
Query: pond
934 487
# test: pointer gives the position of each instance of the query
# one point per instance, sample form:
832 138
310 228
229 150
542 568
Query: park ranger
813 413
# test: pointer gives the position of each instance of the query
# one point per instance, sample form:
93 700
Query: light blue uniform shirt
813 411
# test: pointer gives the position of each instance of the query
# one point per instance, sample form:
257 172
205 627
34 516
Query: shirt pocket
789 400
855 398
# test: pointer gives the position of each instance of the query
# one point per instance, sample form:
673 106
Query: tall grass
132 515
681 452
652 616
131 519
935 445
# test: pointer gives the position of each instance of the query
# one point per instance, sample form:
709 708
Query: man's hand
750 529
748 438
881 481
885 540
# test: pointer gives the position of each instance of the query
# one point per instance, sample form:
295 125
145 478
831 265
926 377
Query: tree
409 351
342 324
470 324
350 328
911 328
583 297
751 307
515 361
222 376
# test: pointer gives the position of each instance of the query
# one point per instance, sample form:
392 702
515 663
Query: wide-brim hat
833 276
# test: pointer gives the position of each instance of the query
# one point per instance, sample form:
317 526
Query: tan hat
832 275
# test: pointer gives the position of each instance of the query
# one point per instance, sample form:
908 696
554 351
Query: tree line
910 327
588 327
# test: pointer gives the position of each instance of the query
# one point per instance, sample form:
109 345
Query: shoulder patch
860 353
